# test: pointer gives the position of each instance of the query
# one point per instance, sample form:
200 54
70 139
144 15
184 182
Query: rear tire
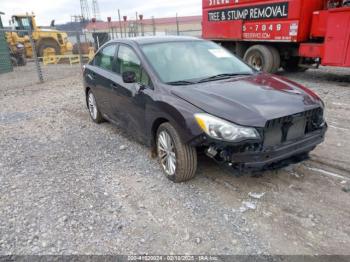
49 44
260 57
276 59
94 112
170 147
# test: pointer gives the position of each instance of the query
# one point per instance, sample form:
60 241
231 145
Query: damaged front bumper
256 157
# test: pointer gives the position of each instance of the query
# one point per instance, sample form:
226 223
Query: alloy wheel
166 153
92 106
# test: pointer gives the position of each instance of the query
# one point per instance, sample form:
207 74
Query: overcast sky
61 10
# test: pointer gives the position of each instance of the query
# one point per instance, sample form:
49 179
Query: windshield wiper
222 76
180 83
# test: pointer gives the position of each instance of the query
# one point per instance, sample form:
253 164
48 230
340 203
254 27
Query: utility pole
177 25
136 26
36 59
142 29
125 18
110 29
154 25
120 25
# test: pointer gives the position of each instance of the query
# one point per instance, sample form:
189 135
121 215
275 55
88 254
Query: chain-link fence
38 57
49 55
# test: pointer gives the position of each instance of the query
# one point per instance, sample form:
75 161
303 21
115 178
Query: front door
131 99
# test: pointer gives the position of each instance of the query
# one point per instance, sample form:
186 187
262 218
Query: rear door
100 75
122 92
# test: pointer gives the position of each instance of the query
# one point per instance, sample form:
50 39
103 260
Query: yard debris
242 209
256 195
226 217
249 205
187 235
327 173
267 213
122 147
296 174
198 240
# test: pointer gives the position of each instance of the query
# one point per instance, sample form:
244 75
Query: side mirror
129 77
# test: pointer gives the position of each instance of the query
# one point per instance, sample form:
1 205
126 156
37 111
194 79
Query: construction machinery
45 39
18 55
293 34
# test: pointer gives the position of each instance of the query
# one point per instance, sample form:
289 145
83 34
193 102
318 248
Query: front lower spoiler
255 161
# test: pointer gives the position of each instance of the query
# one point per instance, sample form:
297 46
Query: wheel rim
92 106
256 62
166 153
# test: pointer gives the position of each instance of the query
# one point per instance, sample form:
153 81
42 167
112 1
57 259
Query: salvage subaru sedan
182 95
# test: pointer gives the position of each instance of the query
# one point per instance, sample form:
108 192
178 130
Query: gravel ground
69 186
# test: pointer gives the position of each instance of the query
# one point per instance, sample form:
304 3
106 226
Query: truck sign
258 12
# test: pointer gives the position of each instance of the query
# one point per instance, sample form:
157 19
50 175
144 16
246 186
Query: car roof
155 39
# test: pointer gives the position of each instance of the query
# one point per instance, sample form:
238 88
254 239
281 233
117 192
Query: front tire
95 113
22 60
178 160
48 44
14 61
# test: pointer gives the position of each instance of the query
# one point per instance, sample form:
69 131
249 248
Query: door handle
91 76
139 89
113 85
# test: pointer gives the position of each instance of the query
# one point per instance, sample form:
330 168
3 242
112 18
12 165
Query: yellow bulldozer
45 39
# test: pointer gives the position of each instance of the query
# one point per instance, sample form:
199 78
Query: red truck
292 34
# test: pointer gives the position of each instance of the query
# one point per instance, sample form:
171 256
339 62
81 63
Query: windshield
22 23
192 61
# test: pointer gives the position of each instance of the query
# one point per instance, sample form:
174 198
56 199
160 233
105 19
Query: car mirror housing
129 77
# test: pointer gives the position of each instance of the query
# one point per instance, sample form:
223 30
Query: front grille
280 130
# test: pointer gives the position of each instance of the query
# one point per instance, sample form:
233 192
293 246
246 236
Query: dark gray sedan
182 95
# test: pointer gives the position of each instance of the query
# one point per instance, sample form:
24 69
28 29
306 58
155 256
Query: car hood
249 100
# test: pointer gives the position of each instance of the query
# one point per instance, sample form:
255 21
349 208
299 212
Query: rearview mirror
129 77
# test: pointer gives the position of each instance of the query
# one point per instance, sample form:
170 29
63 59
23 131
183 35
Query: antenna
96 10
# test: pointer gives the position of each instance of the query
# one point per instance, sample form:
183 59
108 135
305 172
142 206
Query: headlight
223 130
